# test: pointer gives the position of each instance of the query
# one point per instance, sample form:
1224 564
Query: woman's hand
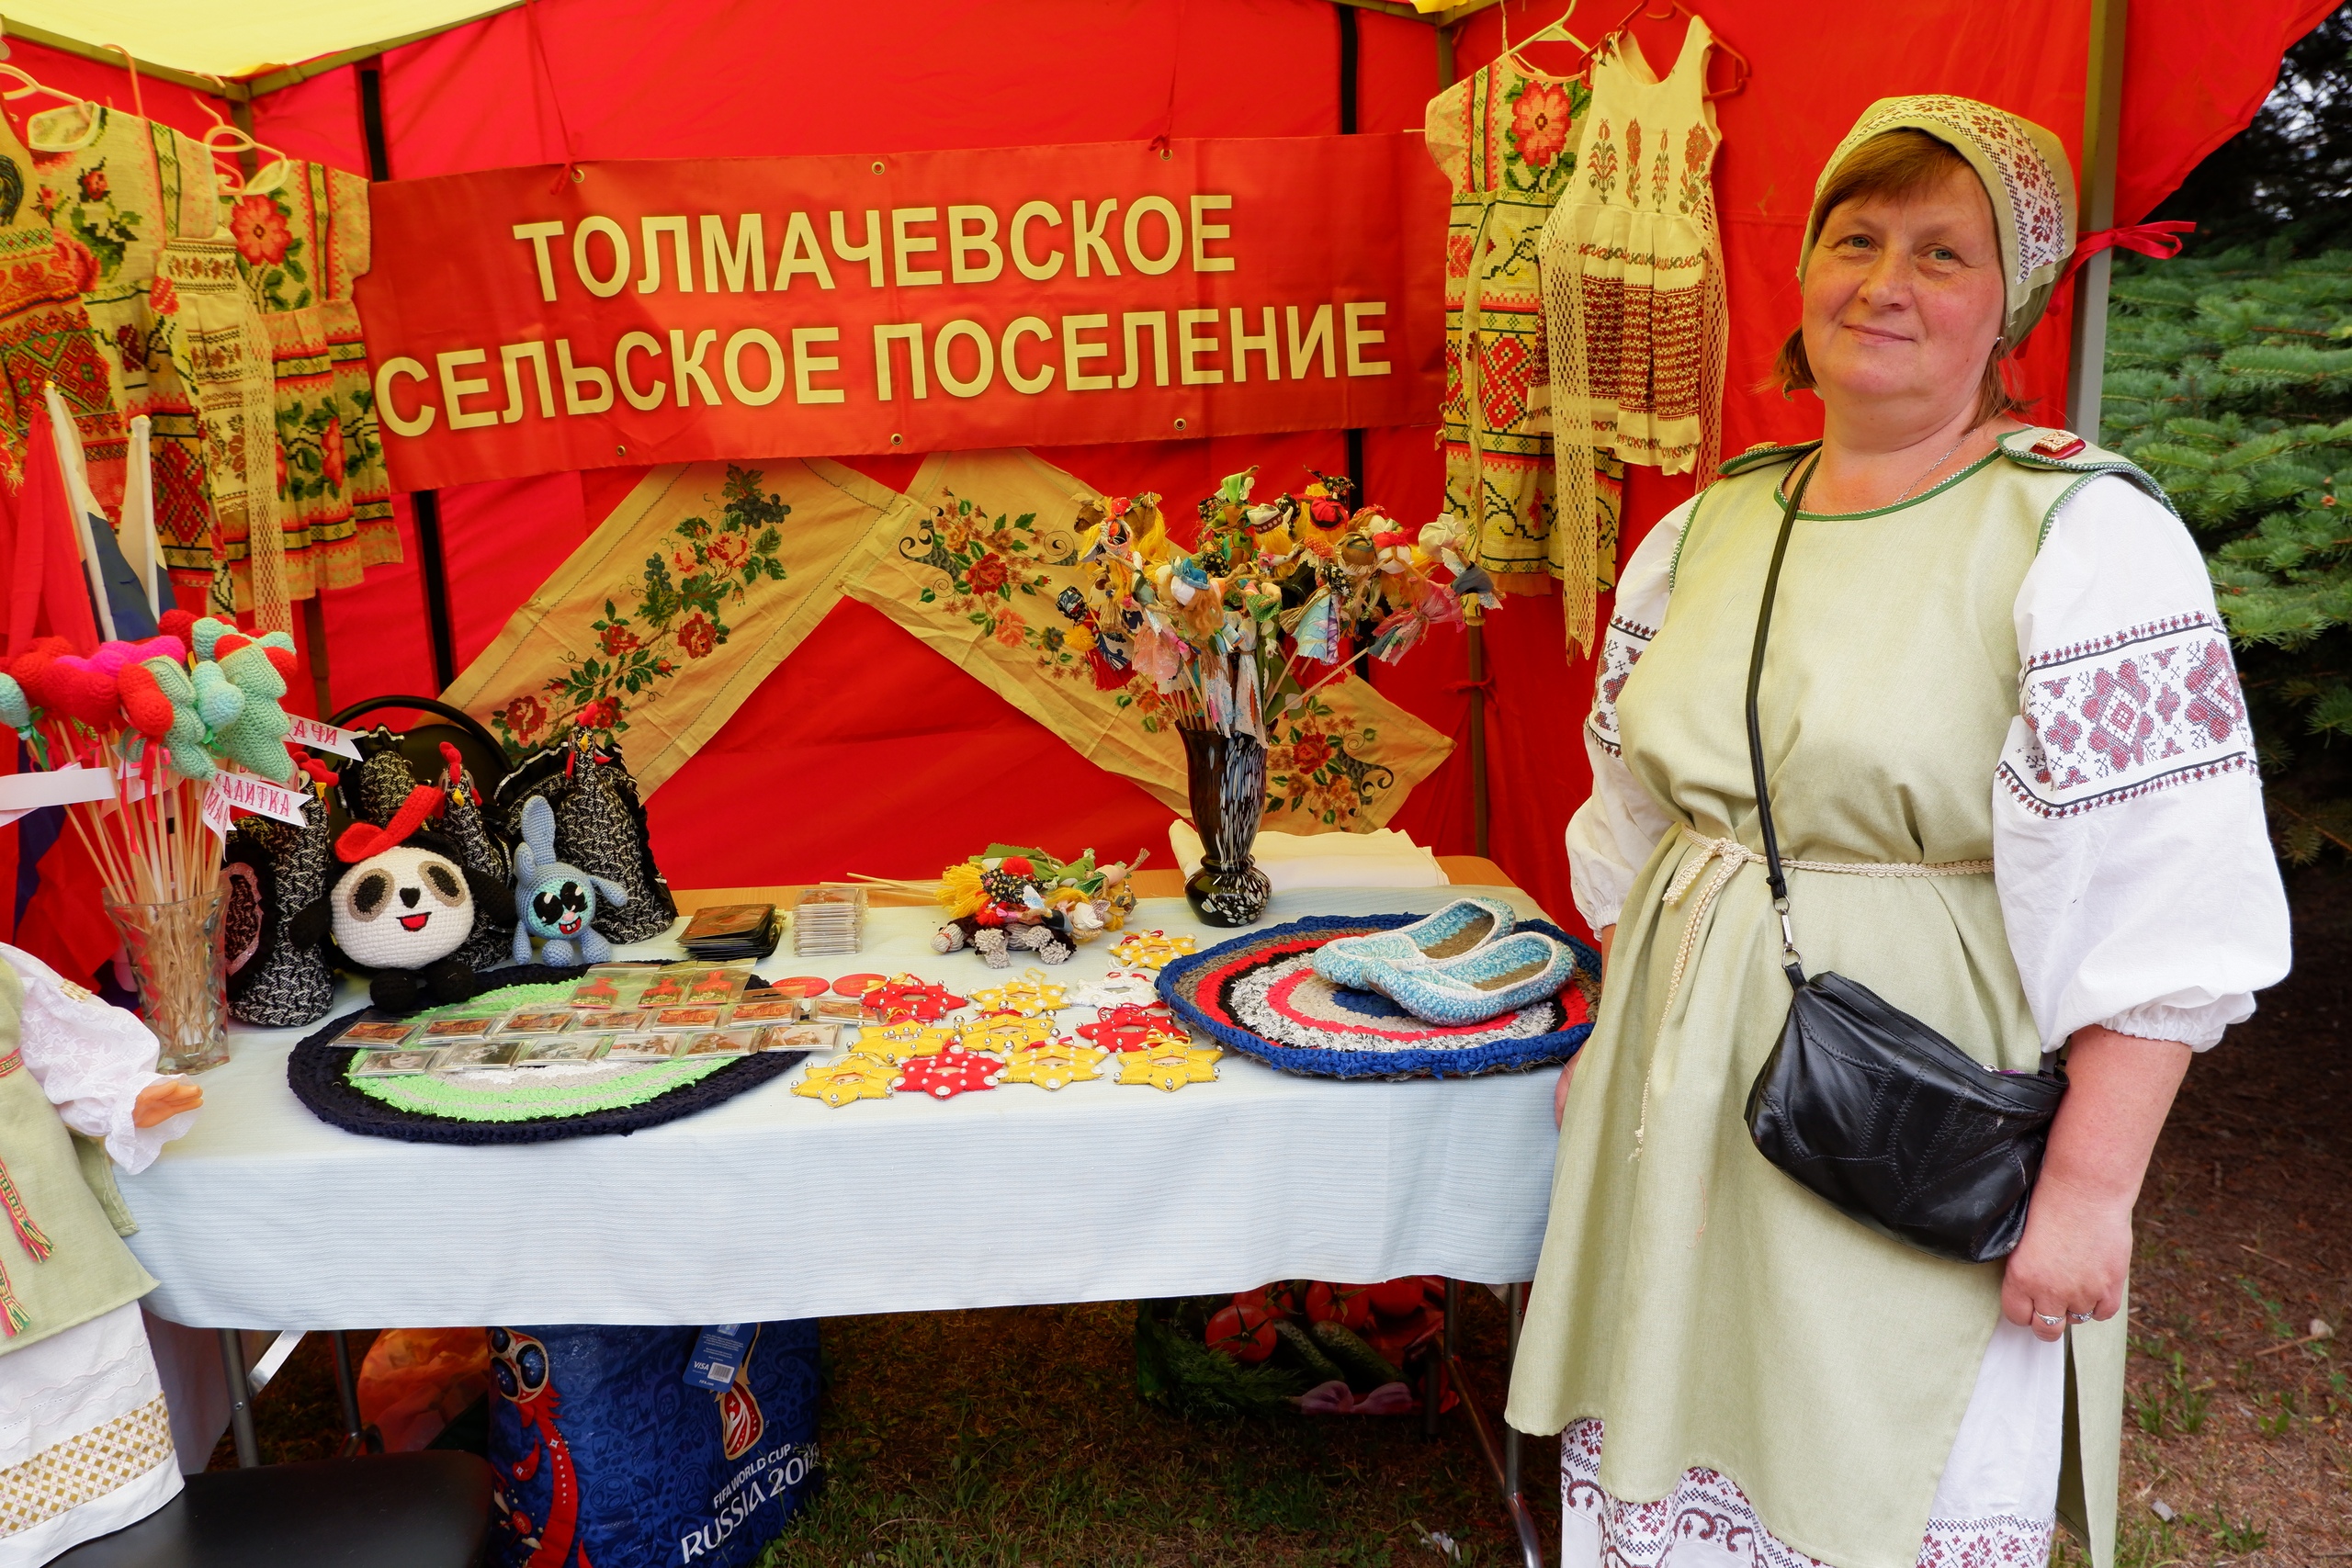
1569 1068
2076 1253
162 1100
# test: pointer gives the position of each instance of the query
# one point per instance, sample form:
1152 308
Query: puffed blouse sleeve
1612 833
91 1059
2135 872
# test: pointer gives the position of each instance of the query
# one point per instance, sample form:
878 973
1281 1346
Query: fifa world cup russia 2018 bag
607 1456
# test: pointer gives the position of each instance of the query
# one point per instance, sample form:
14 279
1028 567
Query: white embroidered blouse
2135 873
92 1059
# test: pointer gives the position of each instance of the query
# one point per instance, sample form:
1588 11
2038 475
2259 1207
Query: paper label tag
231 793
719 1353
320 736
68 785
134 781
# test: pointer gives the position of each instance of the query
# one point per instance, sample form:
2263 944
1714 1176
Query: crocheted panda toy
401 907
553 901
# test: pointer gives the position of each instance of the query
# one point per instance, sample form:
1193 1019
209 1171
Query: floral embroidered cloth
1505 141
710 575
118 192
45 336
302 239
1634 298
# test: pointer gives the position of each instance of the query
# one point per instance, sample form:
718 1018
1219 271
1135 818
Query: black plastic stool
422 1510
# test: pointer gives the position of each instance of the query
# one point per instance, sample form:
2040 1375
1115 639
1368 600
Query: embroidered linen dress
86 1441
1504 139
302 239
45 335
119 190
1633 292
2022 665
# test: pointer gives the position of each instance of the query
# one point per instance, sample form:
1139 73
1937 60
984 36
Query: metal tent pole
2102 132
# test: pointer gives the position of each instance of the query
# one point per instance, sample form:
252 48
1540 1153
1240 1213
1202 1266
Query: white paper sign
68 785
325 737
134 780
231 793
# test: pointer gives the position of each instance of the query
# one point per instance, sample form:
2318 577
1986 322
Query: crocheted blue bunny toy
556 902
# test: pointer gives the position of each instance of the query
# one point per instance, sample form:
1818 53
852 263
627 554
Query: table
774 1206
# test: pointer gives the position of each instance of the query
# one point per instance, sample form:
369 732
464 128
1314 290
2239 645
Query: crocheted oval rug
448 1108
1259 995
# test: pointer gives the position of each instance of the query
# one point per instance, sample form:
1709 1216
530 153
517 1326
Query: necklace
1934 465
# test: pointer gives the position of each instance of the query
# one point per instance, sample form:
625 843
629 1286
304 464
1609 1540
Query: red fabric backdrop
864 752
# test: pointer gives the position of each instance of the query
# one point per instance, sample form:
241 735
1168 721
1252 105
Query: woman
1990 645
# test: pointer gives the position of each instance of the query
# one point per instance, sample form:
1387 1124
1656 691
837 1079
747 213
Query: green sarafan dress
2007 706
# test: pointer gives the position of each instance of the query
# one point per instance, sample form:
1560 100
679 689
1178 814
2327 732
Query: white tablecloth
774 1206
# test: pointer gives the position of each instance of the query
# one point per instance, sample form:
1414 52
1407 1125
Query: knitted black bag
275 870
599 827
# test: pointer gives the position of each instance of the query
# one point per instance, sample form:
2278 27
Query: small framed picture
688 1018
713 983
547 1051
800 1037
460 1027
782 1009
609 986
719 1043
622 1020
476 1056
838 1009
537 1020
392 1064
376 1035
640 1048
664 990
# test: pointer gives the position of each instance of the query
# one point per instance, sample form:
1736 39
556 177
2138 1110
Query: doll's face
561 906
404 908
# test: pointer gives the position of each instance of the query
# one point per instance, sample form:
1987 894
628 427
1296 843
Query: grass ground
983 1440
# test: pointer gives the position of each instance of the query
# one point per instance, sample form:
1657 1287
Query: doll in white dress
85 1443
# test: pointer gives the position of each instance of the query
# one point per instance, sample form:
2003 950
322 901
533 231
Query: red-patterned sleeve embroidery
2118 716
1620 650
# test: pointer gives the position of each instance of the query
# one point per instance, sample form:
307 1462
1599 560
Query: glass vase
1225 778
180 964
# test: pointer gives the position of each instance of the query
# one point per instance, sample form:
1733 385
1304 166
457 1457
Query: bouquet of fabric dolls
1009 901
1275 599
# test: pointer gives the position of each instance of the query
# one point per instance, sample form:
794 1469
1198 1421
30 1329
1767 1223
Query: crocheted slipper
1489 980
1461 927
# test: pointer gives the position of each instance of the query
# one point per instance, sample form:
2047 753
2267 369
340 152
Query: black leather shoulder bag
1869 1107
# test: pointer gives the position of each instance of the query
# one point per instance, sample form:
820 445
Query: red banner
530 321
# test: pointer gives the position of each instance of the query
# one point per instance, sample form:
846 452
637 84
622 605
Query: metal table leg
240 1410
1502 1457
346 1389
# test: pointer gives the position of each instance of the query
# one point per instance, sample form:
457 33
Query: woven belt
14 1320
1725 856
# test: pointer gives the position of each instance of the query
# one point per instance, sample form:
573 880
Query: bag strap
1791 964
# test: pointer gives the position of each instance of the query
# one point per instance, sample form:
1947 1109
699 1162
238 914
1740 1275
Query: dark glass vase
1226 776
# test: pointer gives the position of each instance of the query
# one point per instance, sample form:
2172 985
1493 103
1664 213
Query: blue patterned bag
606 1455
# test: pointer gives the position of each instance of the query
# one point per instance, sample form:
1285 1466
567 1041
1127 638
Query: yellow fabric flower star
1056 1065
901 1043
1029 995
1002 1032
1149 950
1170 1068
845 1079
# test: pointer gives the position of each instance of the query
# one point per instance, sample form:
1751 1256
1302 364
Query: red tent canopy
864 752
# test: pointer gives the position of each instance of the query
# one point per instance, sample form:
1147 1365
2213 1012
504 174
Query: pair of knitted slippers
1463 964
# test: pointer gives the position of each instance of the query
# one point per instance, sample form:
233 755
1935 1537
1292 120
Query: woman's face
1903 297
